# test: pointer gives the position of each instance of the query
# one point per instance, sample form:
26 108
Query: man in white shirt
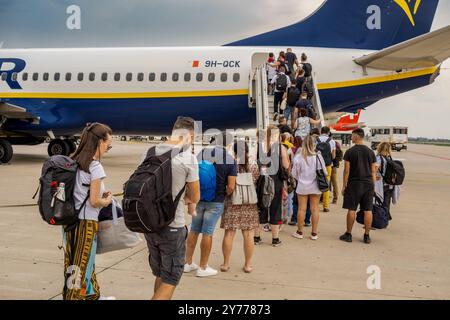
167 248
282 82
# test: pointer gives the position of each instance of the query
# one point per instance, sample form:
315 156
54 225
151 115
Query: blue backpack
207 173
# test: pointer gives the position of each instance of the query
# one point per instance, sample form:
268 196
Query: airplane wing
10 111
424 51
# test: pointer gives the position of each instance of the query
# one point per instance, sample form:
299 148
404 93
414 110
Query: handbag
380 215
322 182
283 104
113 234
245 191
291 184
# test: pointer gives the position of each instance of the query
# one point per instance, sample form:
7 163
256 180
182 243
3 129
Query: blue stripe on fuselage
136 116
350 99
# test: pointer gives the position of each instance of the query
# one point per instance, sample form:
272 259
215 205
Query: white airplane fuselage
143 90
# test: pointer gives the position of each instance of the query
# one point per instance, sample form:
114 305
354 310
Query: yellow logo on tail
404 4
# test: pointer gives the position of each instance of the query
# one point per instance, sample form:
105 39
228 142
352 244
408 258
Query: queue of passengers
294 164
294 169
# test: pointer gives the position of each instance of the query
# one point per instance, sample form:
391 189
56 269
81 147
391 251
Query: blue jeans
208 214
291 205
294 215
288 112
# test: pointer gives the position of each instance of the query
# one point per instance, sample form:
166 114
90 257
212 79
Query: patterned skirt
80 281
244 217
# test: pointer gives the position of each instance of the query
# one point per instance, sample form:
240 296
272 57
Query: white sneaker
297 235
107 298
314 237
190 267
208 272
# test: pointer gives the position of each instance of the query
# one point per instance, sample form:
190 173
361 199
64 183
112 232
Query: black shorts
359 193
273 215
167 254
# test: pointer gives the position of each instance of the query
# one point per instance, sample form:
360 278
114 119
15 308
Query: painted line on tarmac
430 155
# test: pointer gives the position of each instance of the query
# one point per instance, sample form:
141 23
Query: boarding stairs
263 103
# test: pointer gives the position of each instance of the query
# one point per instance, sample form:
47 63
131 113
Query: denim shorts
208 214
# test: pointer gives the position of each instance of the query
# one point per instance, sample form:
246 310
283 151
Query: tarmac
412 253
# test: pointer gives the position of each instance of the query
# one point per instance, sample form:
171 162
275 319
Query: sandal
247 270
224 269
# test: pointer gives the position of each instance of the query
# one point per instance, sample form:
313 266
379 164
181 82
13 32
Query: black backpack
293 94
148 205
308 69
281 83
339 156
325 150
56 170
285 65
308 88
395 172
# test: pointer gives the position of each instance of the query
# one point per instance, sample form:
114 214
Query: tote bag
113 234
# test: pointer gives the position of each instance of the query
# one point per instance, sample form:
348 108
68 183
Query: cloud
145 23
42 23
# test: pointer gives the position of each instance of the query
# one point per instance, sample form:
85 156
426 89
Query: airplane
362 51
348 122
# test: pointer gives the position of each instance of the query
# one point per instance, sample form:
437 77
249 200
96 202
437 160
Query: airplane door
258 98
262 101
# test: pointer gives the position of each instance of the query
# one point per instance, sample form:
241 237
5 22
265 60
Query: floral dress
242 217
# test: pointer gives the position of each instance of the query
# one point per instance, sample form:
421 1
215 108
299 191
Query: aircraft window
387 131
57 76
117 76
163 77
35 76
104 76
129 76
175 77
45 76
68 76
211 77
92 76
223 77
187 77
199 77
152 77
4 76
14 76
236 77
140 76
80 76
25 76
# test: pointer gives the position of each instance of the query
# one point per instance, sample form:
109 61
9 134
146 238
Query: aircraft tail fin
349 118
356 24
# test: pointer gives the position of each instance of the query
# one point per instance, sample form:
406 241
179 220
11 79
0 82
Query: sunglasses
109 148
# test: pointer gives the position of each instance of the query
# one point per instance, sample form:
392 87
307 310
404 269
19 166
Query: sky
43 23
